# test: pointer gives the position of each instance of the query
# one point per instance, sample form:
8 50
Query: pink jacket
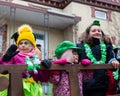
20 59
61 81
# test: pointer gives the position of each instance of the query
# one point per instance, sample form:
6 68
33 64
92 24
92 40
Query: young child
26 54
38 51
43 74
66 53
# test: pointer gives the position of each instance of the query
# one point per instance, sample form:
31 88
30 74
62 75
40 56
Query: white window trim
100 14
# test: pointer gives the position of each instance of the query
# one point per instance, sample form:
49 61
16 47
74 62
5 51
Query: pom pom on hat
24 28
96 22
25 33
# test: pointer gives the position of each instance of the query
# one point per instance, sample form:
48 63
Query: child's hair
25 33
85 35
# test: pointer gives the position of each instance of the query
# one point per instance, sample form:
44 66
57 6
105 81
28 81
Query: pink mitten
86 62
61 61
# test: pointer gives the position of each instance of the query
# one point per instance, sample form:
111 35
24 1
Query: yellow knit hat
25 33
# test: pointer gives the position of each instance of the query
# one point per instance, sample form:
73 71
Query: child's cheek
75 59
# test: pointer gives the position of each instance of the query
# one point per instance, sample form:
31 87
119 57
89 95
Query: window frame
100 14
108 13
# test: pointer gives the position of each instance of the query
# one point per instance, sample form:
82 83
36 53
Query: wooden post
73 78
15 80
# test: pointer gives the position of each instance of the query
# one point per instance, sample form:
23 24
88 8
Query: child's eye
75 52
26 43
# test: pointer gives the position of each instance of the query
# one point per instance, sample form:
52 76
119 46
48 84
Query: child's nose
23 44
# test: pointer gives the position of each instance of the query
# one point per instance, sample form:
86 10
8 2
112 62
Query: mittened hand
62 61
36 62
86 62
46 63
30 68
10 53
37 66
28 61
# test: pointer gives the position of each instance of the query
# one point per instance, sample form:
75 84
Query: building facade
56 20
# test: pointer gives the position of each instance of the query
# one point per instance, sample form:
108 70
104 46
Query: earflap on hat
25 33
96 22
15 36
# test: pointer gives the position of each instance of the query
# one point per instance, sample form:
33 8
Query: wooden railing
15 87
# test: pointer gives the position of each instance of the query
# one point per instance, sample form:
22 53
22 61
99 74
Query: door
41 38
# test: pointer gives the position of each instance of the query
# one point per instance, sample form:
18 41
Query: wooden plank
15 87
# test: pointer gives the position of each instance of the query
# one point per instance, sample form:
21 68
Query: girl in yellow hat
26 54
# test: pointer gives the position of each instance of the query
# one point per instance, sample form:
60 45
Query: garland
90 54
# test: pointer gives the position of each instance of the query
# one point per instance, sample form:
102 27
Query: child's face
95 32
75 56
25 46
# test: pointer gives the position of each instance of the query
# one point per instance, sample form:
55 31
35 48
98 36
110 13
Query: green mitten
36 62
37 66
29 63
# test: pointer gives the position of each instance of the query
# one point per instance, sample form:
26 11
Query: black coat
96 52
100 78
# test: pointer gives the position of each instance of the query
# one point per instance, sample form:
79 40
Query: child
43 74
15 37
26 54
66 53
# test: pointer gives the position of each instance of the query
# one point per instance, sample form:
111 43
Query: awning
37 16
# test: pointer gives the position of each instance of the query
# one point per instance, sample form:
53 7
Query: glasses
25 43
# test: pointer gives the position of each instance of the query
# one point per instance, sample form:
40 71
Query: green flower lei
90 54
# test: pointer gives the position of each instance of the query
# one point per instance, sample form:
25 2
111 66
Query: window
41 38
100 14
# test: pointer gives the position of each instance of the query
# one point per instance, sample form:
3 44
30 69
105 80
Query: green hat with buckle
63 46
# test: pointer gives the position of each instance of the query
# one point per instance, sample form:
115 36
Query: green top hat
63 46
96 22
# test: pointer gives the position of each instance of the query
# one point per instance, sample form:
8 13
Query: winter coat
95 80
20 59
61 81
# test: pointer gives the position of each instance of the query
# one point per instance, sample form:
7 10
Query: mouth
97 35
23 50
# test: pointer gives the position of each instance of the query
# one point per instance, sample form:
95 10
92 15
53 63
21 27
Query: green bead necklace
90 54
